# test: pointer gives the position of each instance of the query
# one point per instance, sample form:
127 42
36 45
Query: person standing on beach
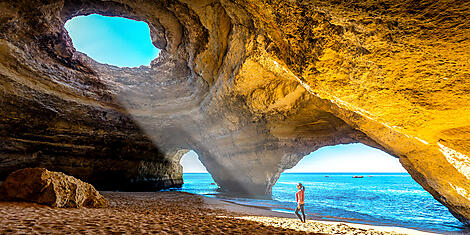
300 198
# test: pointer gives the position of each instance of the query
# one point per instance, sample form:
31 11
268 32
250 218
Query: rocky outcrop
50 188
251 86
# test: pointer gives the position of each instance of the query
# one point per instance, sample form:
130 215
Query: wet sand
164 213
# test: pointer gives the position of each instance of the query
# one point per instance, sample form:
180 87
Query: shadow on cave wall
81 128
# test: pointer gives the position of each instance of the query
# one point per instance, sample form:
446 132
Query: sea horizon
384 199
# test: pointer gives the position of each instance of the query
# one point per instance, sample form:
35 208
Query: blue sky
348 158
191 163
338 158
112 40
126 43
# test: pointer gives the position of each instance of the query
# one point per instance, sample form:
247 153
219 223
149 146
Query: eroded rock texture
251 86
51 188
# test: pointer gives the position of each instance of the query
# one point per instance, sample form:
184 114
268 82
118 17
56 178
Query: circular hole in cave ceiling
112 40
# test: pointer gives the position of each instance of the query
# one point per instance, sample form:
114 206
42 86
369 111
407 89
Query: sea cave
250 86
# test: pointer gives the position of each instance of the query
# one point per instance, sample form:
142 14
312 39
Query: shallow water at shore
390 199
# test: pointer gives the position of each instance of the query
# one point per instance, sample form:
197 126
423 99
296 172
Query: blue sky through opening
112 40
338 158
191 163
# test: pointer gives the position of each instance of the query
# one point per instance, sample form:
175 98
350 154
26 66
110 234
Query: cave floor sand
162 213
290 221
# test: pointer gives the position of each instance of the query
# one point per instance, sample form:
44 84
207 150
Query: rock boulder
51 188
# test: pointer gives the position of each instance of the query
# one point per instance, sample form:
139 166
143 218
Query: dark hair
301 186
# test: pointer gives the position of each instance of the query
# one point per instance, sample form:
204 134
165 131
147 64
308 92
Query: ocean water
391 199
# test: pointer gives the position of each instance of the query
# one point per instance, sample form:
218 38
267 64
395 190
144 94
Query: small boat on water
358 176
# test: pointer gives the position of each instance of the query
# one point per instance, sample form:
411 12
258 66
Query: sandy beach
168 213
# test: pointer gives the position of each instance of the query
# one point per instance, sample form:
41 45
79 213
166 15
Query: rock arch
251 86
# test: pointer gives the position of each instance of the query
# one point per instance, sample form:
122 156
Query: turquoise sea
391 199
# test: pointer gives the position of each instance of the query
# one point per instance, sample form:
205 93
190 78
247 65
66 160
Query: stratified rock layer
251 86
51 188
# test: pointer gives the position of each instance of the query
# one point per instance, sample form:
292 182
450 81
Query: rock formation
251 86
51 188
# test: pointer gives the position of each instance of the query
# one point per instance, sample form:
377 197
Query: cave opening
191 163
115 41
195 175
348 158
360 183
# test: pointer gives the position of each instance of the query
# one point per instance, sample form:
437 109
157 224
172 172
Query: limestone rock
50 188
252 86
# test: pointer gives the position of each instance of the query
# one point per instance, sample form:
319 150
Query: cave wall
251 86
